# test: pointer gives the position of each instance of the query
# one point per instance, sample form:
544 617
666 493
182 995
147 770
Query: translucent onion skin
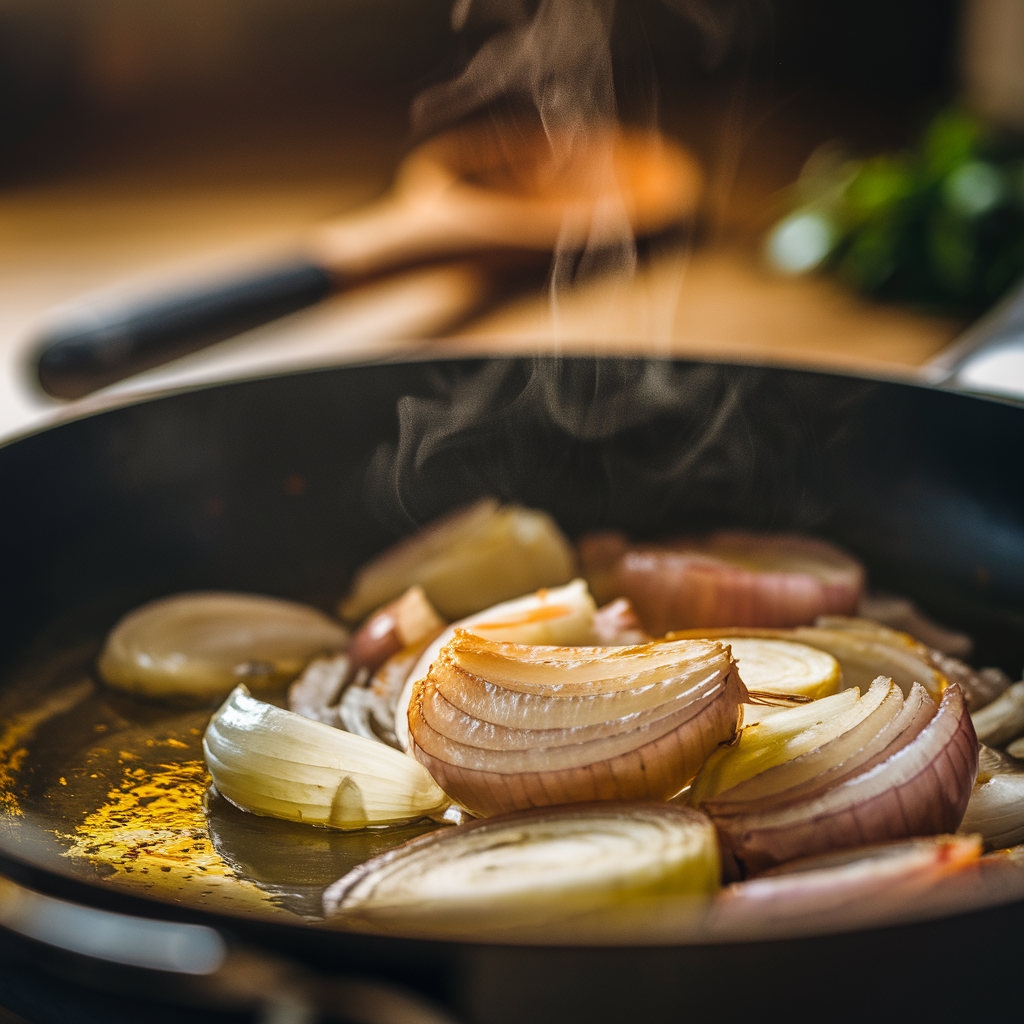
920 789
726 579
533 869
648 753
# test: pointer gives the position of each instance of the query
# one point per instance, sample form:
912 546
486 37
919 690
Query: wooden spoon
471 191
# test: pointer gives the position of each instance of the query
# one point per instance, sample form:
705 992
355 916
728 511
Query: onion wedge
199 646
726 579
466 561
407 620
861 887
505 726
913 779
996 807
1003 720
277 763
532 870
863 654
980 686
559 616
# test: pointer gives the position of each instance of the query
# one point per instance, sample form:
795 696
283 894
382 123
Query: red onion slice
920 789
726 579
650 752
870 885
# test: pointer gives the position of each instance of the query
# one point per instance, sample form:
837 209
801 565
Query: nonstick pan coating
286 485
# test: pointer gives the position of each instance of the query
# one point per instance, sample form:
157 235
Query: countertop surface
143 216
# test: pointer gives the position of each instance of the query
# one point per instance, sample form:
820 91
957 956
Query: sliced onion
1003 719
276 763
900 614
863 654
855 888
980 686
198 646
405 621
616 624
559 616
787 668
470 559
919 785
531 870
505 726
725 579
782 738
316 693
996 807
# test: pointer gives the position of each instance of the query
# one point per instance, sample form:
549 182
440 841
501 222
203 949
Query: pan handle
989 357
92 346
192 964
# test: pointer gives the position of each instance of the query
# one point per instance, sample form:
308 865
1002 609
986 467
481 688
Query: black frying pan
286 485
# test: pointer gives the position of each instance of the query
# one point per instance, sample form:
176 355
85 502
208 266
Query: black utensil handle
99 347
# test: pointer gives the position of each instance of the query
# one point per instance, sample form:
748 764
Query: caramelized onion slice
553 741
466 561
921 788
277 763
197 646
996 807
561 615
532 869
730 578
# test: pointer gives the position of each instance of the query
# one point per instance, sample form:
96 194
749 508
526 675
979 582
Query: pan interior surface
285 486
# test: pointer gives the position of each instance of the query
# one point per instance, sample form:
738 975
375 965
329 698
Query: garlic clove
274 762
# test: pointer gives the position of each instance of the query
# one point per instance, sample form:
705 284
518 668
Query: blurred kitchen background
146 144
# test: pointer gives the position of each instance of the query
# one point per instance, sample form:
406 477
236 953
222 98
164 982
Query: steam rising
560 58
608 441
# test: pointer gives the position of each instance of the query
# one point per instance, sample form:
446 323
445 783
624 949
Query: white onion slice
277 763
199 645
1002 720
531 870
980 686
863 654
996 807
730 578
468 560
784 667
559 616
549 725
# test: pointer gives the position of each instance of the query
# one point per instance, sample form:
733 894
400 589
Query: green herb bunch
941 225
